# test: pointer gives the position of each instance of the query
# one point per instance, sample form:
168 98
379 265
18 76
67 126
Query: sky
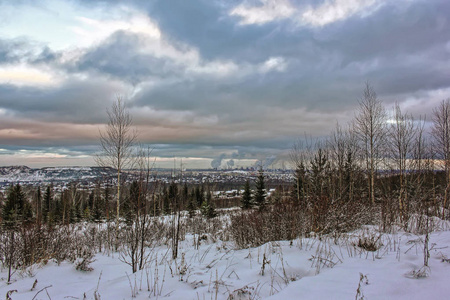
208 82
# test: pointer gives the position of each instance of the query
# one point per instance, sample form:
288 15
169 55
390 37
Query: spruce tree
199 195
16 209
260 194
97 213
46 208
211 207
185 196
39 205
192 204
87 214
298 192
106 200
134 203
319 168
246 201
166 201
57 211
73 216
173 196
90 207
208 209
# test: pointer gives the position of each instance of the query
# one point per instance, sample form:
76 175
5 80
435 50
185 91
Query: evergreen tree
97 213
211 206
185 196
135 203
298 192
89 206
46 208
208 208
166 201
78 211
246 201
155 206
73 215
199 196
106 201
350 170
16 209
319 172
82 212
173 196
87 213
39 205
192 205
57 210
260 193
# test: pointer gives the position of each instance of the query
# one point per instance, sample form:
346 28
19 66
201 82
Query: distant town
225 182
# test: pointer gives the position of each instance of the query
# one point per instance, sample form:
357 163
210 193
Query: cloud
337 10
242 78
22 75
315 14
91 31
266 11
11 51
120 57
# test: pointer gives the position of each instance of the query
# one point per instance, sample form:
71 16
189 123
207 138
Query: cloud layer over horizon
209 79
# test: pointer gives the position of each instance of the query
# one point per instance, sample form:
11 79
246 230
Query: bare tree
343 148
370 128
139 234
441 135
116 145
402 135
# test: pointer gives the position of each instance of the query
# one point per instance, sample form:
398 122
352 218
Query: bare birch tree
441 135
343 156
116 145
370 128
402 136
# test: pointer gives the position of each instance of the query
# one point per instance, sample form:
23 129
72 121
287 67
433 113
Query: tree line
388 161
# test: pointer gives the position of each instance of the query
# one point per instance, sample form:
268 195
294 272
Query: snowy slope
306 269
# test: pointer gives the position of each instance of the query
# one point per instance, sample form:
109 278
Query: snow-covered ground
308 268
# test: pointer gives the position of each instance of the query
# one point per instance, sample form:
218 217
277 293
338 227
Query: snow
237 172
307 268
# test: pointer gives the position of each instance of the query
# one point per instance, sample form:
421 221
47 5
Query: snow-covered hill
308 268
14 174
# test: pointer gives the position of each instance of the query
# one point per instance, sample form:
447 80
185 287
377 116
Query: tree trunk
118 210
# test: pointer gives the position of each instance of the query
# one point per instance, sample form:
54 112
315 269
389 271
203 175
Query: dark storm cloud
208 26
241 98
76 101
120 57
13 50
393 48
23 50
396 28
315 57
46 56
402 46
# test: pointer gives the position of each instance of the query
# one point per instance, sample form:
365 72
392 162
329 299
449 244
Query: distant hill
11 174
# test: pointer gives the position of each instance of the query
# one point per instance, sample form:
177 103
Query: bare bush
369 241
254 228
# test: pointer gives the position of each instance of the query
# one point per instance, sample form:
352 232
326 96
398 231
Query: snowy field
331 267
